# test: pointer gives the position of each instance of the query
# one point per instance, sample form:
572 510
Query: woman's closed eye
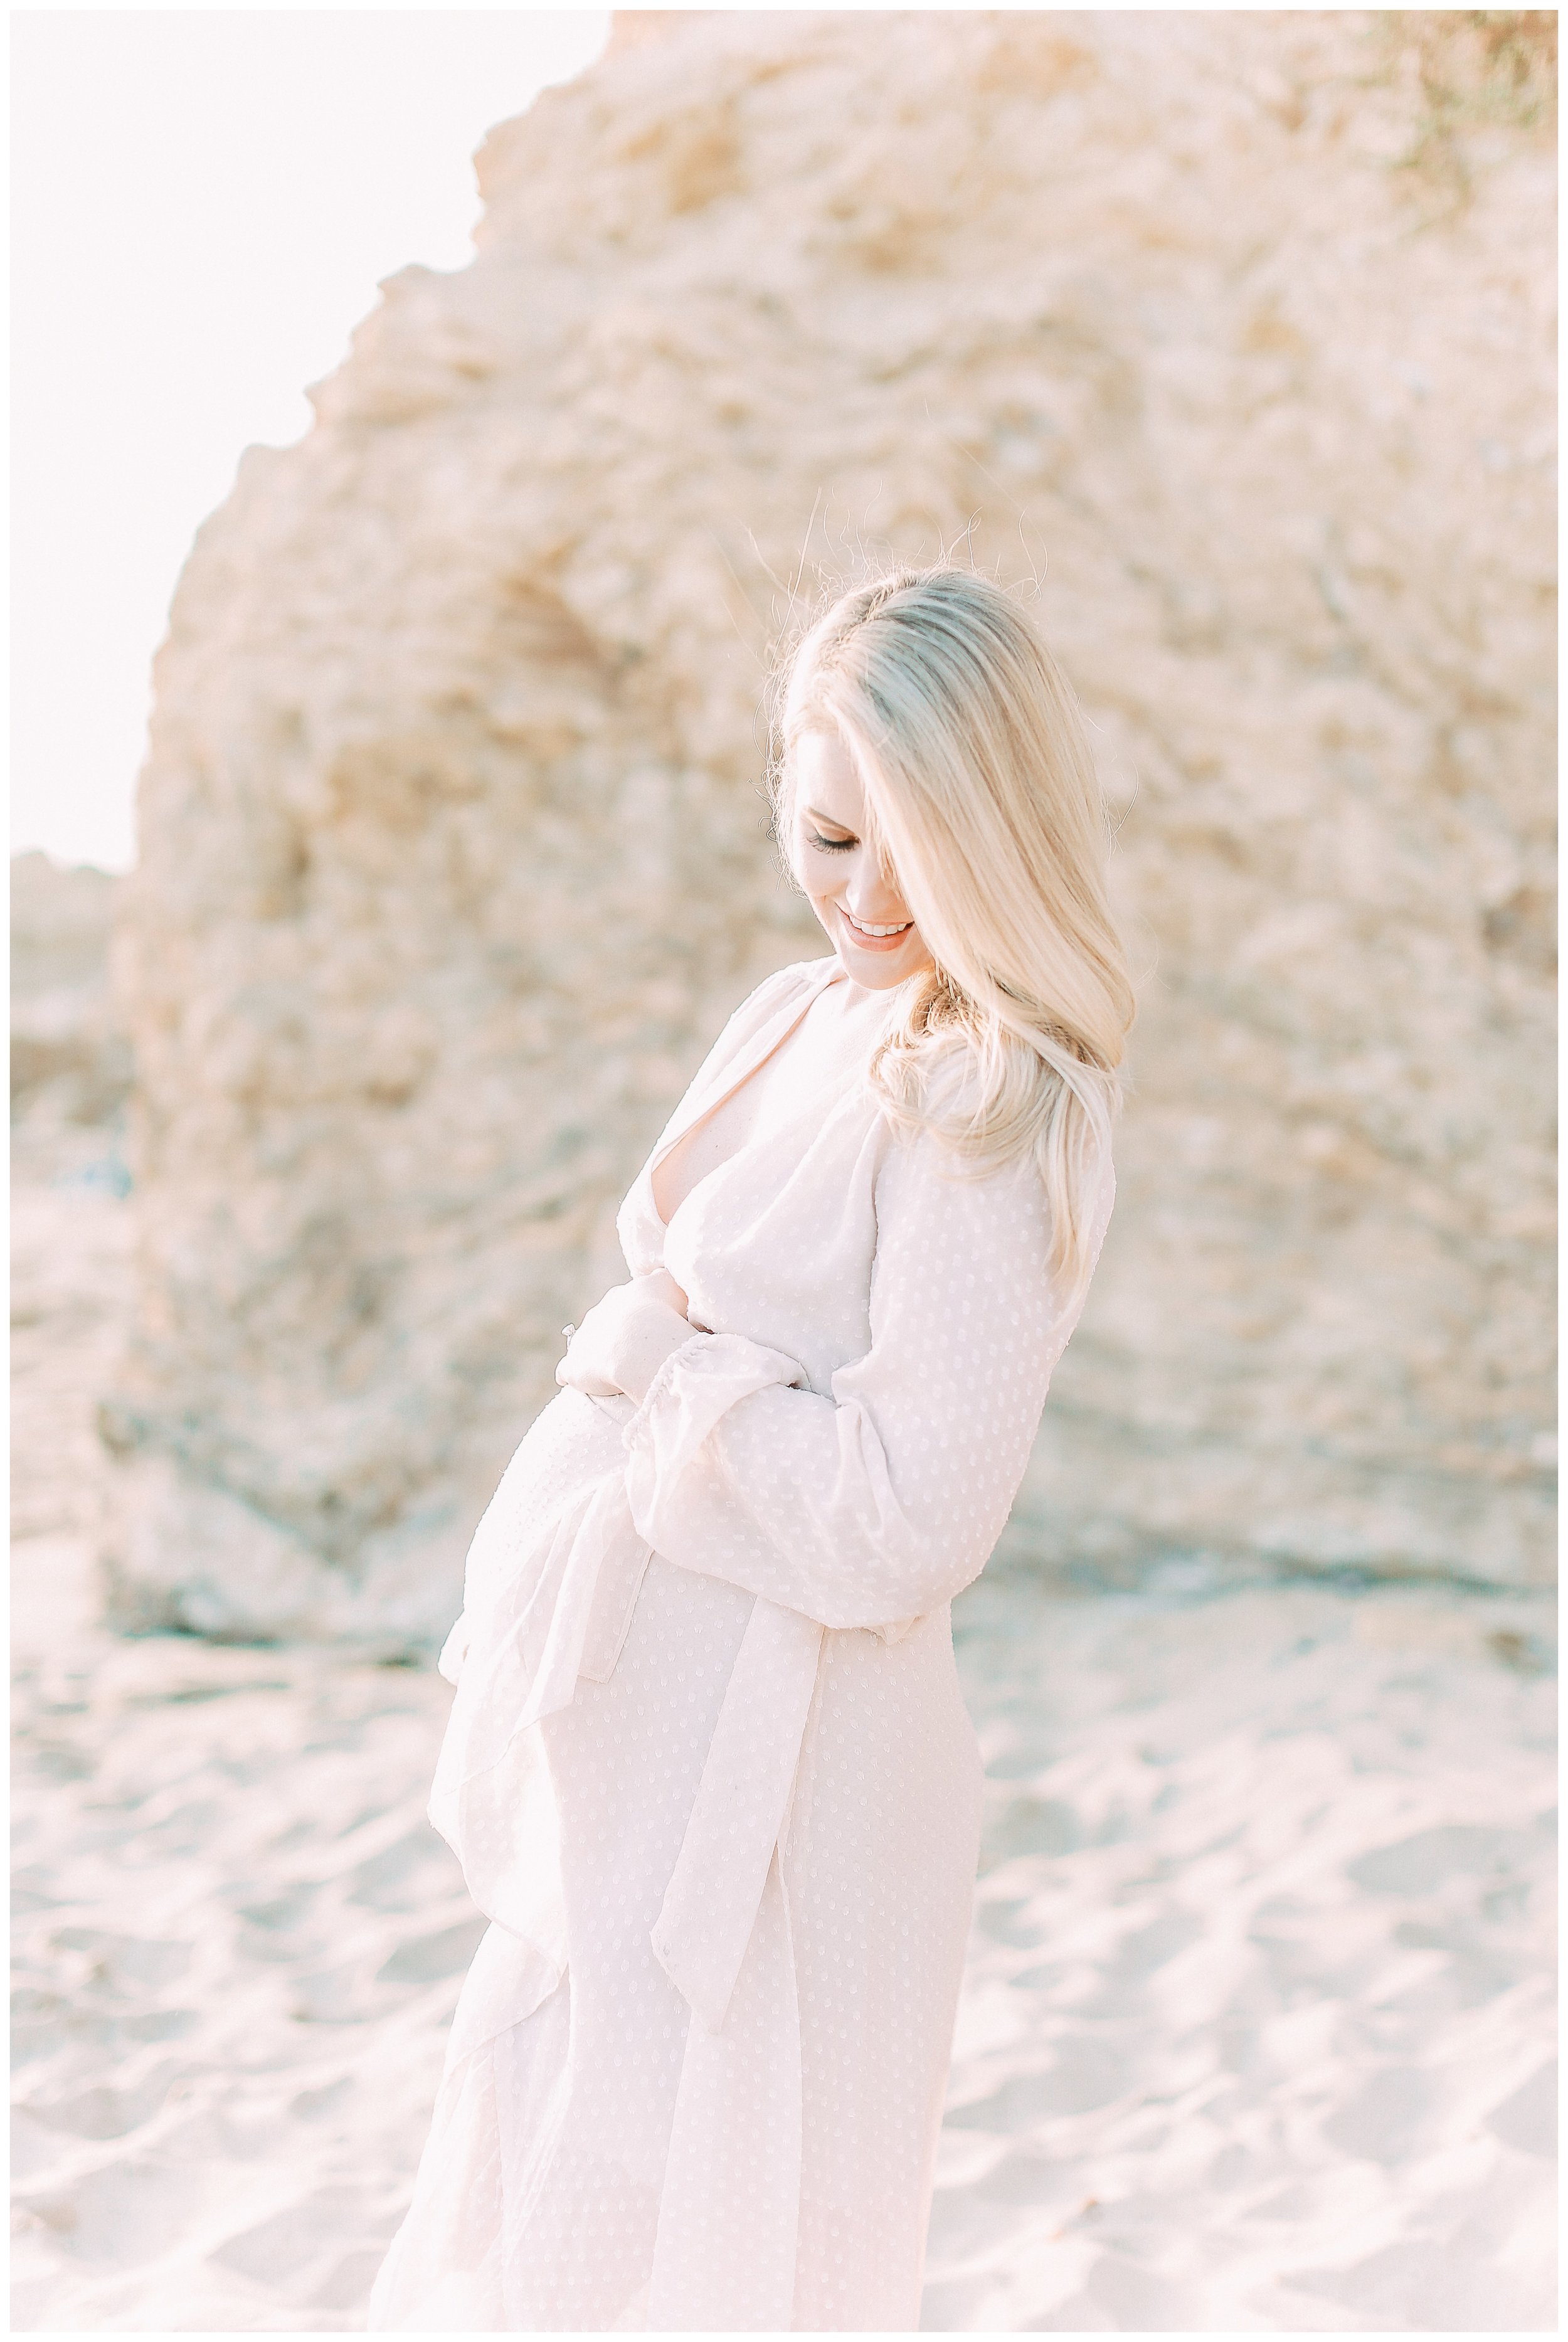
830 845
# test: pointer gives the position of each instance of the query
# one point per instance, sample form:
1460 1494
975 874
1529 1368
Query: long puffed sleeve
878 1503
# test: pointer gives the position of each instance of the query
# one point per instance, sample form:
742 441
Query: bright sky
202 204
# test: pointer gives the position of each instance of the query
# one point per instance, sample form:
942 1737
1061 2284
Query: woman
709 1770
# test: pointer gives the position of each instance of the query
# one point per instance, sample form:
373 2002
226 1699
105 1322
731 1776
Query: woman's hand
625 1338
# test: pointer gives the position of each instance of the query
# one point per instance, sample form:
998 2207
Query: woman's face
866 918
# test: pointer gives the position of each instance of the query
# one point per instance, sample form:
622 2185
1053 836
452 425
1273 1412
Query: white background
203 202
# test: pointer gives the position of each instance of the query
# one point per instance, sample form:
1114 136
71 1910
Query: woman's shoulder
800 976
763 1002
935 1141
773 993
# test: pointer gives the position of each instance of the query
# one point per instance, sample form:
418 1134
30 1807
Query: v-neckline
773 1034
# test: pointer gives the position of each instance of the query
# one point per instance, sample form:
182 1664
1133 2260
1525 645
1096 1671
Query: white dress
709 1770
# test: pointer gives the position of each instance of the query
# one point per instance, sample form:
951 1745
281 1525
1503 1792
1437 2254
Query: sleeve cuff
696 1384
662 1383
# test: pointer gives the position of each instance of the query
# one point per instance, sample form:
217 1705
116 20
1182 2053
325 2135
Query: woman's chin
876 971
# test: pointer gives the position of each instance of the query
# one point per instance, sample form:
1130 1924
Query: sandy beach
1256 2032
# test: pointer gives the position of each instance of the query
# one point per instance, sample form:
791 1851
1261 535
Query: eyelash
830 845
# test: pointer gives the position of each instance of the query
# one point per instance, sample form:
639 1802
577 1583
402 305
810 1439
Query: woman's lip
864 942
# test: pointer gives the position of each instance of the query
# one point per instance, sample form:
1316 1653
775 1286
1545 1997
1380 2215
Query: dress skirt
601 2163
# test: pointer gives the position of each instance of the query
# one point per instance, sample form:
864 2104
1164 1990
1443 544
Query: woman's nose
872 893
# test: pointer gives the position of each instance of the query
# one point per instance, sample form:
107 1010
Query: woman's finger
662 1287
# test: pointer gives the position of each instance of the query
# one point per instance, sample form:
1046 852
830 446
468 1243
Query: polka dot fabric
695 2084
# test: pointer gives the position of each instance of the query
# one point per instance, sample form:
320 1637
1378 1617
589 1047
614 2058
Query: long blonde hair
982 801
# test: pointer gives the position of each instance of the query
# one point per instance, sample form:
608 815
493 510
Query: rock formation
70 1266
69 1062
1229 337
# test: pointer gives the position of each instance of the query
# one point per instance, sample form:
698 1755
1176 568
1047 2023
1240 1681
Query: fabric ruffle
553 1574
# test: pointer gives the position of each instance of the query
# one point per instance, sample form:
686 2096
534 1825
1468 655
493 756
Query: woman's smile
871 938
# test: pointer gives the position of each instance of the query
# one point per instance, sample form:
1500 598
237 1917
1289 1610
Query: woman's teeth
861 927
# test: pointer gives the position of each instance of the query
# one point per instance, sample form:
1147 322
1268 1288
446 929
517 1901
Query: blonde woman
709 1770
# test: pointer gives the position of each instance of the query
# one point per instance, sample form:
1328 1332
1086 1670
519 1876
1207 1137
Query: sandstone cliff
1232 335
68 1061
